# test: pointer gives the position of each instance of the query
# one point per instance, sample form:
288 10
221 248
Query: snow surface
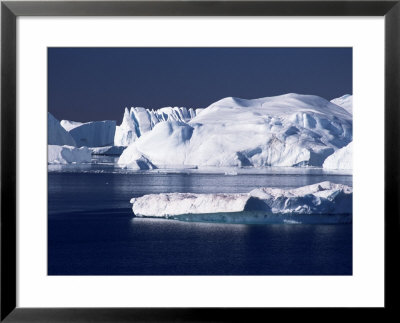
286 130
324 199
138 121
67 154
345 101
108 150
341 159
56 134
91 134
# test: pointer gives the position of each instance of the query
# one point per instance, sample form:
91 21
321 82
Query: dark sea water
92 231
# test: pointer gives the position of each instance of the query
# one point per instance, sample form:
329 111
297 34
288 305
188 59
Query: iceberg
325 198
56 134
286 130
345 101
324 202
69 125
172 204
67 154
91 134
133 159
138 121
341 159
108 150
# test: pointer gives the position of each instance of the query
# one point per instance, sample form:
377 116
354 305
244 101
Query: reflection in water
96 191
91 230
108 164
84 243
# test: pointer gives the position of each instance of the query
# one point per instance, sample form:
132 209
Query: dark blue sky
97 83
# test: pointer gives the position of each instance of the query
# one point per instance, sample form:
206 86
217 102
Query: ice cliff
138 121
286 130
56 134
91 134
107 150
340 159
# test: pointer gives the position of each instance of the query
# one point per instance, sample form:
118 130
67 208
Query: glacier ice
170 204
322 202
133 159
67 154
91 134
321 198
286 130
345 101
340 159
56 134
138 121
107 150
69 125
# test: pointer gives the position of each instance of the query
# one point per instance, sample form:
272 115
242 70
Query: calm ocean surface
91 229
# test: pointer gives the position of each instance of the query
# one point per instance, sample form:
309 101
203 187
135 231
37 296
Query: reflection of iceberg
324 202
260 218
231 173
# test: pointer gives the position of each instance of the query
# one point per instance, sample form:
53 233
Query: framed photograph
196 160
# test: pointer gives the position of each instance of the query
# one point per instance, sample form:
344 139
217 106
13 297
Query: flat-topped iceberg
56 134
171 204
138 121
324 202
286 130
341 159
91 134
67 155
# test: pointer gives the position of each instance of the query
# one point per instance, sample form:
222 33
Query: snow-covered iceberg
135 160
56 134
286 130
91 134
324 202
108 150
138 121
345 101
341 159
172 204
69 125
67 154
325 198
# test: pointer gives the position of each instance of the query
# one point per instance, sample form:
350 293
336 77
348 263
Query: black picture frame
10 10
